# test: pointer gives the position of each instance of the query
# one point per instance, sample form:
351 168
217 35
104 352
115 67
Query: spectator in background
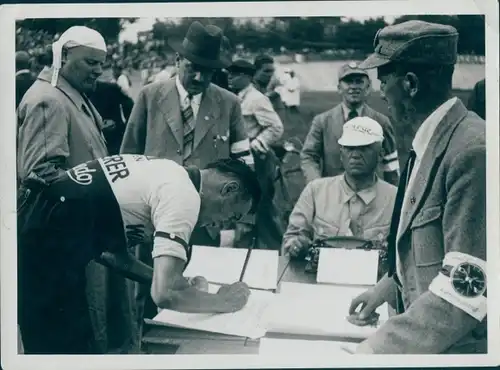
263 128
477 99
24 76
264 73
114 106
122 79
60 128
221 76
290 90
320 156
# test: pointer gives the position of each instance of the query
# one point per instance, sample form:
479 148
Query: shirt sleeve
270 122
300 224
173 213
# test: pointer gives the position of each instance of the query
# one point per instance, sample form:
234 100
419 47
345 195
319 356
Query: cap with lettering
242 66
351 69
415 42
361 131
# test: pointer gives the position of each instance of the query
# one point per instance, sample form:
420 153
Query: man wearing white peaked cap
58 129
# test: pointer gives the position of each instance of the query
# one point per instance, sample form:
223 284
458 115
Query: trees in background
296 34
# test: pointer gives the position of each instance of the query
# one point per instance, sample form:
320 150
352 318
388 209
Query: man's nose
98 69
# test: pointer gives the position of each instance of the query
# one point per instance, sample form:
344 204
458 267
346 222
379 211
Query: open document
249 322
224 266
347 266
317 309
273 347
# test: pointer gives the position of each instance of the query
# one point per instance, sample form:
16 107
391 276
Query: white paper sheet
249 322
224 266
272 347
347 266
318 309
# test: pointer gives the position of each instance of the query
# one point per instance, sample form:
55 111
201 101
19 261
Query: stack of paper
347 266
249 322
224 266
271 346
310 309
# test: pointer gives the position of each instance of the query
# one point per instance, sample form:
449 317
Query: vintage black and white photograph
271 184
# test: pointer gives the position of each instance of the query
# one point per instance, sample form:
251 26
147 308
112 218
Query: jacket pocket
427 245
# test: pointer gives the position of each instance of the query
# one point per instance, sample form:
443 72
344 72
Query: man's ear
230 188
411 84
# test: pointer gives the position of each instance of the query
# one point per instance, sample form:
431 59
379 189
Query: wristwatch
467 279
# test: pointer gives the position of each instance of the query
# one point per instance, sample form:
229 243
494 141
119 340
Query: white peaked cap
75 36
361 131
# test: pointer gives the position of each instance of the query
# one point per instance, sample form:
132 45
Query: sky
144 24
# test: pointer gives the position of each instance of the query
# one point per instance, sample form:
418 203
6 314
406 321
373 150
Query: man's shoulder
330 113
224 94
158 87
386 188
42 92
469 134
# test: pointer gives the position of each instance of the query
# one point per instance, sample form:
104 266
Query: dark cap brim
374 61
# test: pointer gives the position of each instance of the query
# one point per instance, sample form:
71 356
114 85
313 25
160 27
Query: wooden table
162 339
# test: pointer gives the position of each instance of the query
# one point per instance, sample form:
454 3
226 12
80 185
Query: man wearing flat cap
60 128
355 203
264 128
437 243
320 154
189 120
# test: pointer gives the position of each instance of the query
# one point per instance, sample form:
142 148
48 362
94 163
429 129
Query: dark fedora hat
201 45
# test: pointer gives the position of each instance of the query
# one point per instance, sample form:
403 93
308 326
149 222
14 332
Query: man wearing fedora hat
437 242
320 156
189 120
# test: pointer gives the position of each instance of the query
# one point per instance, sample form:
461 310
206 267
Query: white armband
462 283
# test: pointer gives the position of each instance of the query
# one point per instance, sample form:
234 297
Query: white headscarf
75 36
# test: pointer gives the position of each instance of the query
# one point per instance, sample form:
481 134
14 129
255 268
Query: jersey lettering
135 234
81 174
116 167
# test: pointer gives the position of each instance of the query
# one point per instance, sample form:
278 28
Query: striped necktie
189 122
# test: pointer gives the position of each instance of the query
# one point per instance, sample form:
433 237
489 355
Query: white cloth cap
75 36
361 131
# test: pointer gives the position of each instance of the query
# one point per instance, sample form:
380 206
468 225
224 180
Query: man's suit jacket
24 80
320 156
57 131
155 126
446 213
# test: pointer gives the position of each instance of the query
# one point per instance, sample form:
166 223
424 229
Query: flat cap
242 66
415 42
351 69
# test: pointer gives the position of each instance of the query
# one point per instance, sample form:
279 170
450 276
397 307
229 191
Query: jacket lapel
431 160
208 115
170 106
337 116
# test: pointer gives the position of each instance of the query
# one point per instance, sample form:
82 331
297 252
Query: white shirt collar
346 110
426 130
183 94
